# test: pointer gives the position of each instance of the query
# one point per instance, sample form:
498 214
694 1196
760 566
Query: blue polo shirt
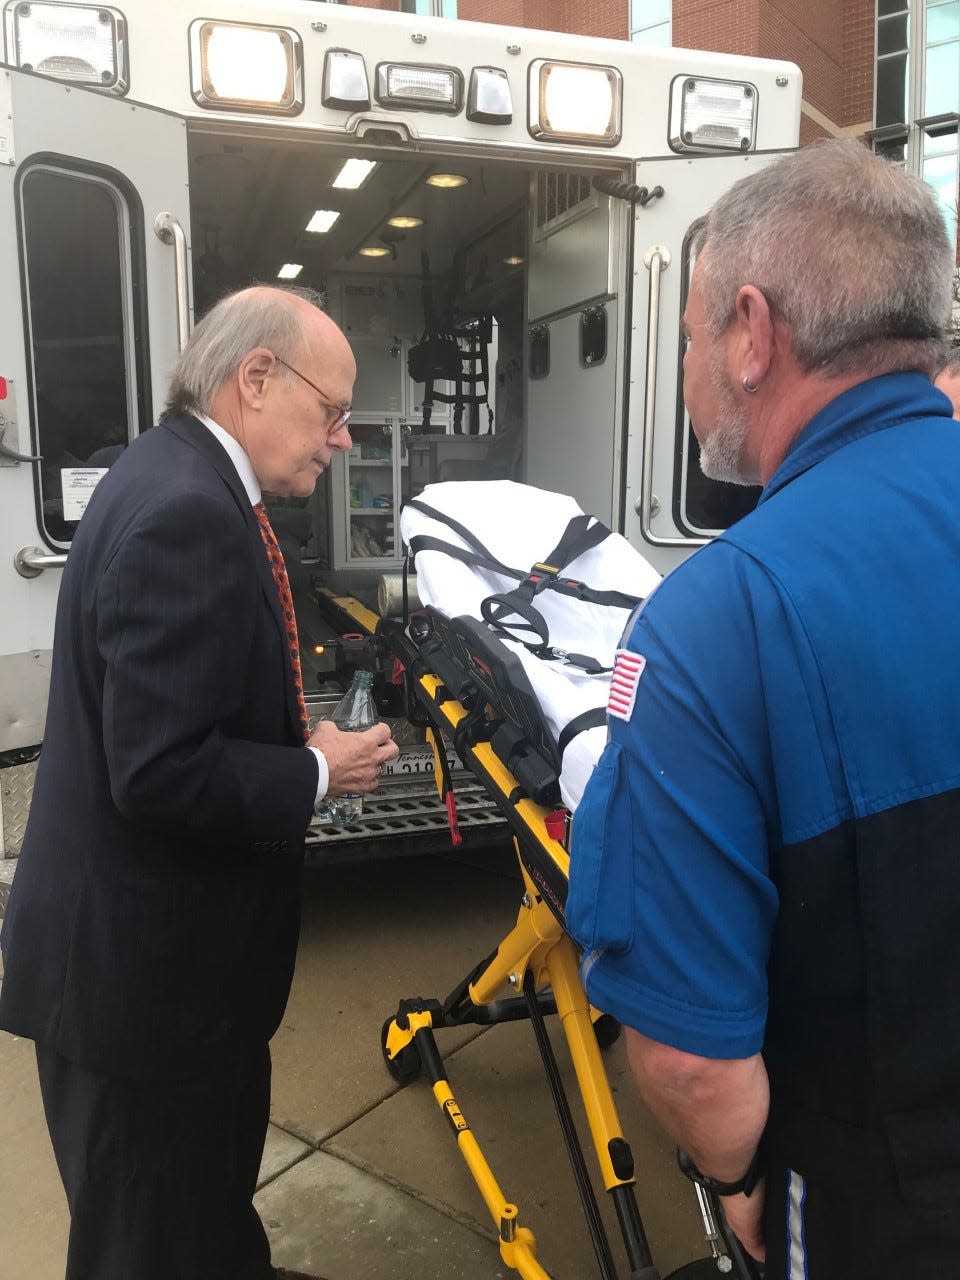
801 672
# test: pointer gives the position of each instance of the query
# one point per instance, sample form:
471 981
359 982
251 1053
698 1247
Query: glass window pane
75 285
891 6
649 13
942 86
946 144
661 36
941 173
891 35
943 23
892 90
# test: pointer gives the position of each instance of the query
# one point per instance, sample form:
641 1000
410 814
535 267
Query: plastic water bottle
354 712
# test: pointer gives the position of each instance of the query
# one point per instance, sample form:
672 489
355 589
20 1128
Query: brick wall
833 50
858 53
609 18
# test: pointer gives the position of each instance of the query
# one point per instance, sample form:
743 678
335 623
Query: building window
430 8
918 92
941 101
893 48
650 22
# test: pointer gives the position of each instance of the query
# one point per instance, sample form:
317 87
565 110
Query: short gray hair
851 253
260 316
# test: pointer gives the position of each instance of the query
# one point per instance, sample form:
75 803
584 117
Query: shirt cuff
323 777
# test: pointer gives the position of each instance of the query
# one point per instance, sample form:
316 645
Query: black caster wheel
701 1269
707 1269
406 1065
607 1030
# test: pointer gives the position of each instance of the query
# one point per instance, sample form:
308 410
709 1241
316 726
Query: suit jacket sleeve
192 722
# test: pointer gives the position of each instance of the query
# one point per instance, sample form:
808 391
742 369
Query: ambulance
498 218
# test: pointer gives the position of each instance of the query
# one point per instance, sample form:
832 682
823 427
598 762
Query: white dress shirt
251 484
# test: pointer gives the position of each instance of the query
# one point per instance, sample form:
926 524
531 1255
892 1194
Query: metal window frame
132 261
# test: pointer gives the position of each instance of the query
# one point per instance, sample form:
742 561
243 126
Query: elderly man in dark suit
150 938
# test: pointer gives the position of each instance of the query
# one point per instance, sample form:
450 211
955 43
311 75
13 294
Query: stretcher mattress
520 525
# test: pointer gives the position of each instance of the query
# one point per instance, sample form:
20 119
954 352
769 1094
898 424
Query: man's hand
355 760
744 1215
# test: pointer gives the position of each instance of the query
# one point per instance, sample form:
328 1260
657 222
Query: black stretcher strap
581 534
592 719
424 542
578 537
496 609
457 527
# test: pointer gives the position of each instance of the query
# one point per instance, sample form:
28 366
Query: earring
748 388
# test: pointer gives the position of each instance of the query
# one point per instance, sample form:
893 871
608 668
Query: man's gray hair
851 253
257 317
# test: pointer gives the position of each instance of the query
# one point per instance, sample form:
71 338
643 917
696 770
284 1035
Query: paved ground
361 1179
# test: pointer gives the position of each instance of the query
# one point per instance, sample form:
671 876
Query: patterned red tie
279 570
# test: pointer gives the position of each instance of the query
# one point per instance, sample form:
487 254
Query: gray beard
722 455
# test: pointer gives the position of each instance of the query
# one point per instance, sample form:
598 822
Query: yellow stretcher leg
535 954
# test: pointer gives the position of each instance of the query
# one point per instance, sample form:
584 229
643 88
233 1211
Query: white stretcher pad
520 526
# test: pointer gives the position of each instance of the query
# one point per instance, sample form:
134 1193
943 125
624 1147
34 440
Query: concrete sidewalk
359 1178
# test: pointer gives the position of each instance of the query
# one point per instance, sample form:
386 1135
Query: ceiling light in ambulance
374 251
513 261
84 44
345 85
573 102
322 220
353 174
290 271
404 222
712 115
447 181
238 67
488 99
401 84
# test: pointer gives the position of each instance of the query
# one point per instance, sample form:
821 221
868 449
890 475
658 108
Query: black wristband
743 1185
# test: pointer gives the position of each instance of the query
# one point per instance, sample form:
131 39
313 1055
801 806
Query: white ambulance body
153 157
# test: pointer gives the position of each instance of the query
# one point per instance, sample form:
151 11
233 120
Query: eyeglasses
342 416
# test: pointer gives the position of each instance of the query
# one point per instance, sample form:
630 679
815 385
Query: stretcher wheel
607 1030
405 1066
701 1269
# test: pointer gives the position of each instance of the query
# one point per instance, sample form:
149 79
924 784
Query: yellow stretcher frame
538 959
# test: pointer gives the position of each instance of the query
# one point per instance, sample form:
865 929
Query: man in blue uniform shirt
766 862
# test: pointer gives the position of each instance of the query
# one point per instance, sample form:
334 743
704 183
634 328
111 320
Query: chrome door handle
169 230
30 562
12 453
656 259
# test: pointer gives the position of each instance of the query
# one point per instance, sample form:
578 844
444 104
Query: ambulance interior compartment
539 254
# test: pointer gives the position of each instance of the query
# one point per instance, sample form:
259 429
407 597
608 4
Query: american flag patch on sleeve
627 670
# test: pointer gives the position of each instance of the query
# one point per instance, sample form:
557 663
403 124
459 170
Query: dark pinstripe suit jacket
154 914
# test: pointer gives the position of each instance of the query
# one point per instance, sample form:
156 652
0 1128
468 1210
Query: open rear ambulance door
669 507
576 285
95 306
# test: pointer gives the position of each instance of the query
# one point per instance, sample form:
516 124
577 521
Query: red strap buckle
452 818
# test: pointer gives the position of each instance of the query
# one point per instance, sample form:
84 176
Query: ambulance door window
702 507
82 248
